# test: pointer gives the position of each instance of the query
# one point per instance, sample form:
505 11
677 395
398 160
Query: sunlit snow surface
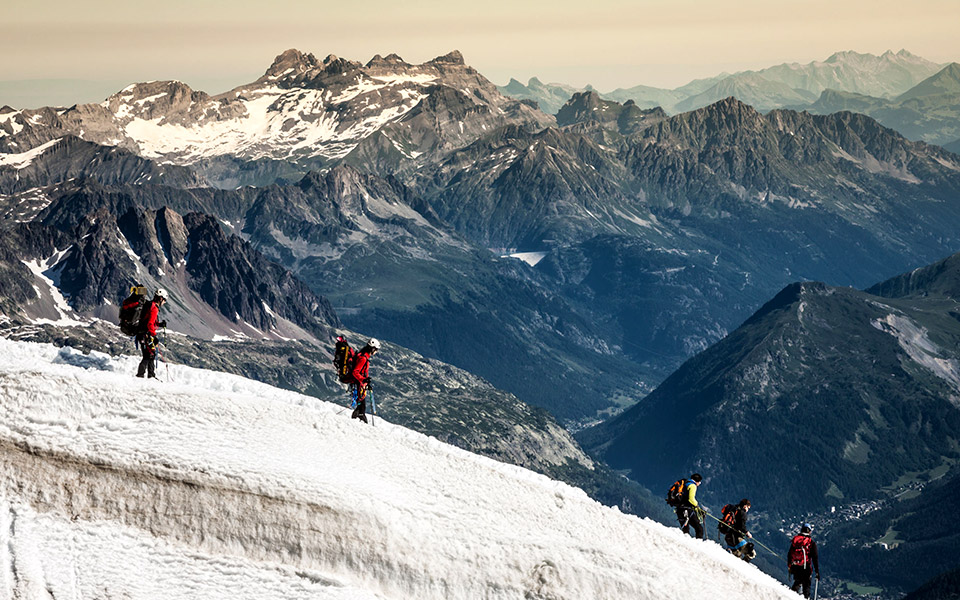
23 159
277 123
213 486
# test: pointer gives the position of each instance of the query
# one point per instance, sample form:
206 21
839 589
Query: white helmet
374 343
161 293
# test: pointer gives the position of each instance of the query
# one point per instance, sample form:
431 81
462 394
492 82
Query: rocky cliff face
69 157
218 284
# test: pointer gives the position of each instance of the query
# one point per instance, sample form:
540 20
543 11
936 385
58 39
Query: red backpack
800 551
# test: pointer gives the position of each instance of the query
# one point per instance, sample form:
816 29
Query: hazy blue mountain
779 86
653 97
751 88
550 97
930 111
943 82
885 76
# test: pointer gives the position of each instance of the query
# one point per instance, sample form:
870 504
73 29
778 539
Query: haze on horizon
214 46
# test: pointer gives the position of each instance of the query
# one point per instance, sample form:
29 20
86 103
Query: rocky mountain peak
453 58
391 60
724 117
294 60
584 106
731 107
152 89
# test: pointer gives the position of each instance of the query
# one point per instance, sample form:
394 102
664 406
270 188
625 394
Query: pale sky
215 45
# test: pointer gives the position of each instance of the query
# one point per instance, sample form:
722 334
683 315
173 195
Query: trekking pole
816 585
373 406
166 363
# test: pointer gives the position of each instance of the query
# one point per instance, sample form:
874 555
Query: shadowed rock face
201 265
845 392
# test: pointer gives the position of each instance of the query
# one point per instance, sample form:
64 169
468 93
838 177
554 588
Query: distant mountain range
930 111
302 113
885 76
651 227
905 92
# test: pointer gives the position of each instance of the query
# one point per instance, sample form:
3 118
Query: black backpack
675 495
343 359
131 311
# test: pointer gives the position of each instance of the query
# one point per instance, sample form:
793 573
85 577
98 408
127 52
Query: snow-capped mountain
217 486
302 110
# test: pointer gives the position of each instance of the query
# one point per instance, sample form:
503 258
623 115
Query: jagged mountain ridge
218 284
625 119
302 113
715 164
69 157
393 267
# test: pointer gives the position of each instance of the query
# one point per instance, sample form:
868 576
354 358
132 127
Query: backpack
131 311
800 551
727 525
343 359
675 495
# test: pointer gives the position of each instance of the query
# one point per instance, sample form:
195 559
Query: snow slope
213 486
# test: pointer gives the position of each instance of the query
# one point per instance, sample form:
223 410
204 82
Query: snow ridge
257 492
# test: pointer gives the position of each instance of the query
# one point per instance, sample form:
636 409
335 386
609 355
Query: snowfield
213 486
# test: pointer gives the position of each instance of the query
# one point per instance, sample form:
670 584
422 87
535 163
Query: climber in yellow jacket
689 511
